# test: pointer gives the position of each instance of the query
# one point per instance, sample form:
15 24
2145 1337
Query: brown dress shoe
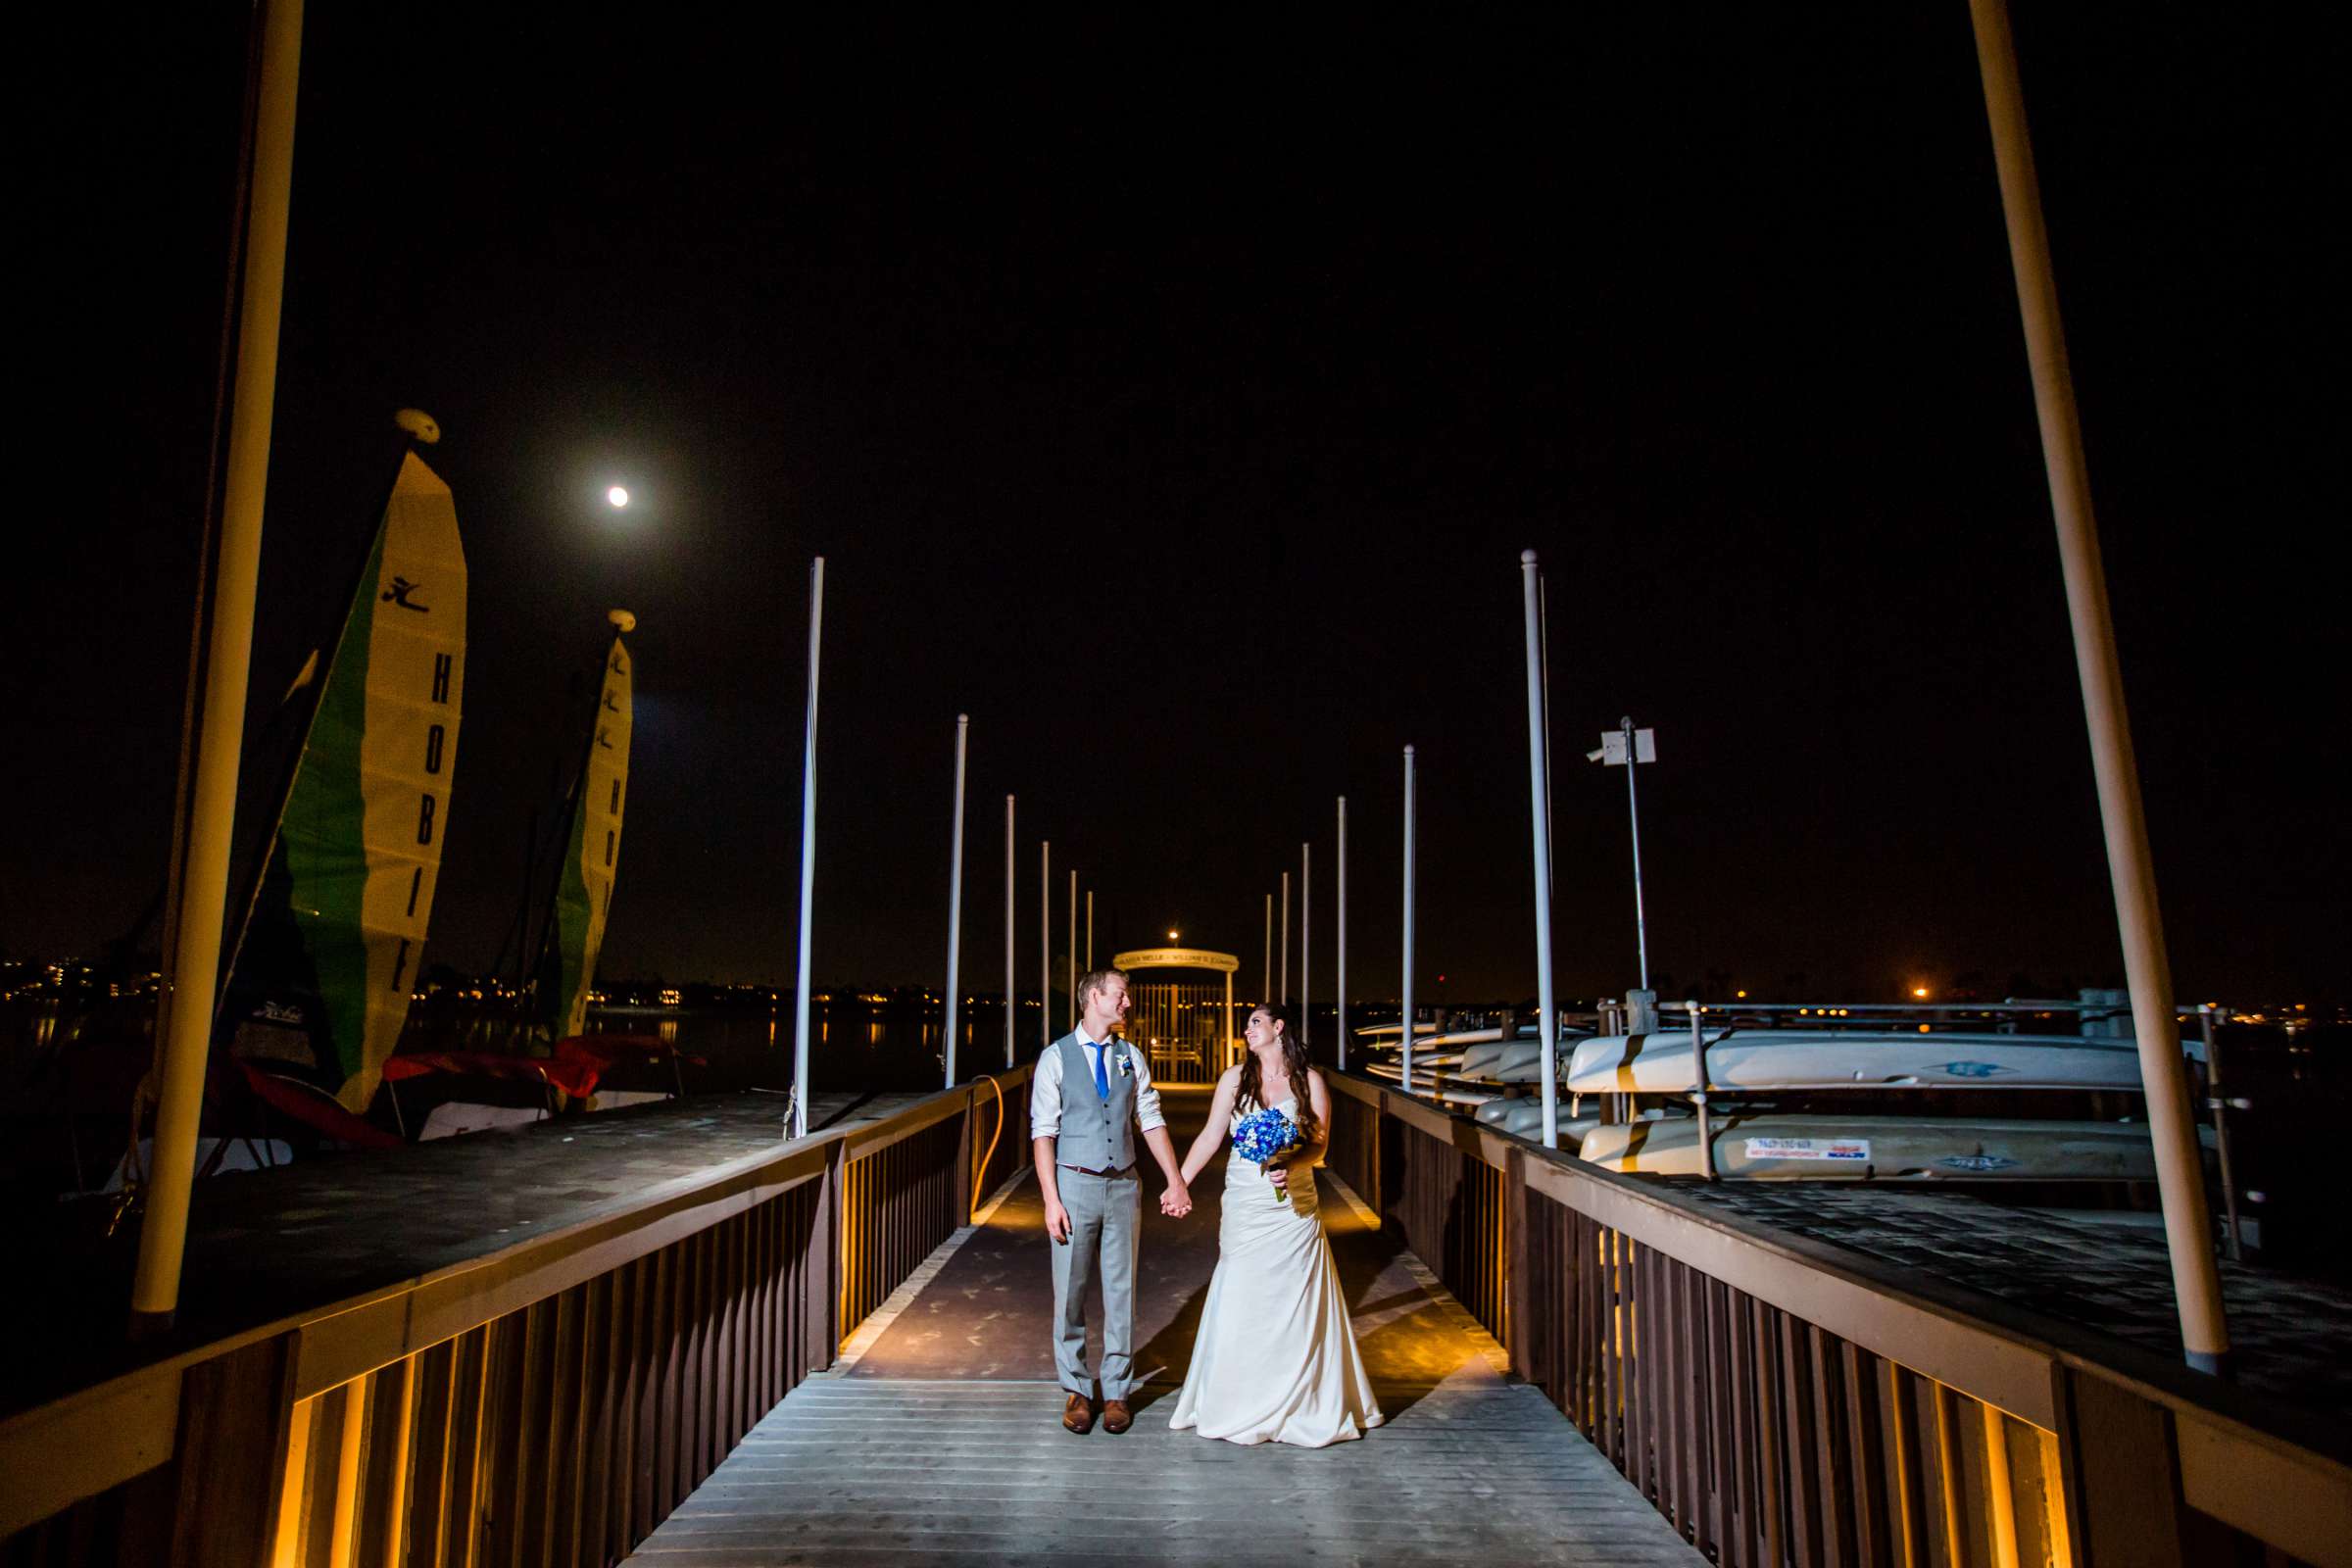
1078 1415
1116 1417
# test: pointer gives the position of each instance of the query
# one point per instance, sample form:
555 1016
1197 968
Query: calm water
849 1049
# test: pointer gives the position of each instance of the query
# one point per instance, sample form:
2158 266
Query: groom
1092 1094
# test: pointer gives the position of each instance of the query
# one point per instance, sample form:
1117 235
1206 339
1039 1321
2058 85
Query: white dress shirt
1045 1087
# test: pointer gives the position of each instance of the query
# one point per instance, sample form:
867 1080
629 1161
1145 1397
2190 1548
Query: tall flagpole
799 1125
1306 899
1407 1000
956 903
1045 933
1539 808
195 955
1009 1008
2179 1169
1341 985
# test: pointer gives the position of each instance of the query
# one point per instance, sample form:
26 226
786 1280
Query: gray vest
1095 1135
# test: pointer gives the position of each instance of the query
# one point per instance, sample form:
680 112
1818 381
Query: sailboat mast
204 881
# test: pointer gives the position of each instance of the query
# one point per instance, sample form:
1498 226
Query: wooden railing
1786 1402
547 1404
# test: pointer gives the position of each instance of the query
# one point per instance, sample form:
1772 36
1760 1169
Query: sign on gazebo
1177 959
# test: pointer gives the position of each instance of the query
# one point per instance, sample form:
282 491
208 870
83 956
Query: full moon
617 496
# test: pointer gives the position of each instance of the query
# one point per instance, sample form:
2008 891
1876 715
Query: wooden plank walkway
937 1438
853 1471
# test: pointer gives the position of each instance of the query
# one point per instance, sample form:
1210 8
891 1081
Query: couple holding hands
1276 1358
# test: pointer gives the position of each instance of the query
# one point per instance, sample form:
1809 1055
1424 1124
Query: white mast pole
1407 1000
955 902
203 870
1286 938
1342 983
799 1126
1540 796
1071 958
1044 932
2179 1171
1306 899
1265 986
1009 1007
1089 928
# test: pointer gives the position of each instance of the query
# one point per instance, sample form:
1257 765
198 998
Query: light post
1625 747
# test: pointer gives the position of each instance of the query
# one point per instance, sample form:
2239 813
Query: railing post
963 1158
2121 1476
820 1268
236 1415
1518 1309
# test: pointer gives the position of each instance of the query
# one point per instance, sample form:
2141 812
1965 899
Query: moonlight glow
617 496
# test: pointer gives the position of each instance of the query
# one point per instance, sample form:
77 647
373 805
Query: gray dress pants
1106 1212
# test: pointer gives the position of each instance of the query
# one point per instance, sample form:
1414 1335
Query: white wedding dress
1276 1358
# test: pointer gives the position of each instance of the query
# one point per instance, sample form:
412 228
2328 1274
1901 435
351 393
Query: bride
1276 1357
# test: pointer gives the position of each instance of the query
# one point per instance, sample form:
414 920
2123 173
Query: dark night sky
1175 397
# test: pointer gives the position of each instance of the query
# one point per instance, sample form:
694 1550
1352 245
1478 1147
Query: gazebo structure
1186 1027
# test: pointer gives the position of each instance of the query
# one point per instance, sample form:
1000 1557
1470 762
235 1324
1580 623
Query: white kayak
1802 1148
1522 1116
1513 1061
1442 1087
1802 1059
1388 1037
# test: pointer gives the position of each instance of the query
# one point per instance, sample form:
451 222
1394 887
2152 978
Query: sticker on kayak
1974 1069
1856 1150
1976 1162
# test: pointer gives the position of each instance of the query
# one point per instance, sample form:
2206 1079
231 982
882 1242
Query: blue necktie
1102 1071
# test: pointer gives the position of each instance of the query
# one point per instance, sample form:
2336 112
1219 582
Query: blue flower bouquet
1265 1136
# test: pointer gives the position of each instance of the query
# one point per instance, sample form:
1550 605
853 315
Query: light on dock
619 496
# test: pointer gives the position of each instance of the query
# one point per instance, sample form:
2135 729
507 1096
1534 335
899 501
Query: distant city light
617 496
1743 996
1171 936
1920 992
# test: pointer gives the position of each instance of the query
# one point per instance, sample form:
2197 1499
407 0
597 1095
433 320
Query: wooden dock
671 1334
937 1438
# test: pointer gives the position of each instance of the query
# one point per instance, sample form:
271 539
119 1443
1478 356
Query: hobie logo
1974 1069
1979 1163
397 596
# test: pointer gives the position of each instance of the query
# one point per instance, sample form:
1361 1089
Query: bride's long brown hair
1293 1066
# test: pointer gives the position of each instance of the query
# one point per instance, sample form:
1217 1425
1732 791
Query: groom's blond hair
1093 981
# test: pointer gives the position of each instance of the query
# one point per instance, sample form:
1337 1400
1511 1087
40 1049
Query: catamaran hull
1439 1087
1522 1116
1797 1148
1661 1063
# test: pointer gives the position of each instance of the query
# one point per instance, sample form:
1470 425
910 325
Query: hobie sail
591 852
338 923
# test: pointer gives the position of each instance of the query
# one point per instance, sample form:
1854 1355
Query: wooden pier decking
669 1332
937 1440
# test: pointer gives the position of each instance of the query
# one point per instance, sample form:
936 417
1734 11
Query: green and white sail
591 852
347 892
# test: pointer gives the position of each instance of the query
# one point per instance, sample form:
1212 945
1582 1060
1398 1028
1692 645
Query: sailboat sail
591 853
348 888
